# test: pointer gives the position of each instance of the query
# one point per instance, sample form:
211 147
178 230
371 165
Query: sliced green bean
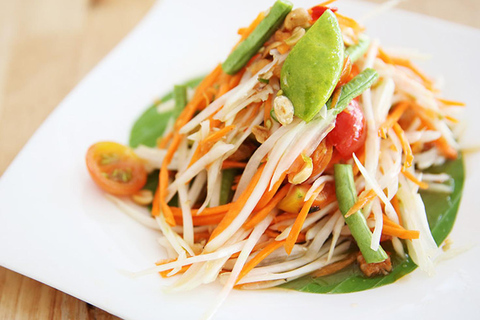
248 47
226 192
347 196
358 50
354 88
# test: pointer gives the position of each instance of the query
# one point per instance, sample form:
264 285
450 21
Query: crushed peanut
283 109
297 18
143 197
261 133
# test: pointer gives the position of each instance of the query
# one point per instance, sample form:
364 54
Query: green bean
354 88
358 50
347 196
247 48
226 192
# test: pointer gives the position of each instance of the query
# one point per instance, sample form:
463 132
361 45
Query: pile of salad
299 161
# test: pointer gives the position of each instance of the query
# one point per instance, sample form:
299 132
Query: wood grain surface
46 48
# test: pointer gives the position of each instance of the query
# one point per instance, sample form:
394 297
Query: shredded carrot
297 225
267 107
406 64
405 145
260 215
205 144
411 177
452 119
269 194
246 31
451 102
163 181
163 141
227 164
392 229
321 157
349 22
202 220
446 149
326 3
238 205
265 252
392 118
183 118
283 217
165 273
206 212
363 200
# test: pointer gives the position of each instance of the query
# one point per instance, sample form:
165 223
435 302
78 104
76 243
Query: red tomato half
116 168
349 132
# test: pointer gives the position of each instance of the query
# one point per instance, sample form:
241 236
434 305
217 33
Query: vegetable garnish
300 161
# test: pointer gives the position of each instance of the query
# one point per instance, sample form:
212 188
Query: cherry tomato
116 168
349 132
317 11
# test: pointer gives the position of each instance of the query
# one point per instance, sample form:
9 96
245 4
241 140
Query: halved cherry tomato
116 168
349 132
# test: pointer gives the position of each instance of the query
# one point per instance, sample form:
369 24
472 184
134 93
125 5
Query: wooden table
46 48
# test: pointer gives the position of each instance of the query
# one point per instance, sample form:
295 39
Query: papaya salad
304 153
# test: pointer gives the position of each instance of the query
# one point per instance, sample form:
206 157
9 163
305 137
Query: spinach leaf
151 124
441 212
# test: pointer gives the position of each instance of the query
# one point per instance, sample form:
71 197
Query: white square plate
56 226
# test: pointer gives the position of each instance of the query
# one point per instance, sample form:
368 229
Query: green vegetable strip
247 48
226 191
354 88
347 196
357 51
180 96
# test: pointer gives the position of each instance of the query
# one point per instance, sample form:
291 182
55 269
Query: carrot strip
163 180
205 144
441 143
165 273
183 118
206 212
266 110
325 3
411 177
238 205
452 102
392 118
163 141
227 164
245 32
452 119
202 220
265 252
363 200
349 22
269 194
267 209
396 206
405 145
393 229
399 233
283 217
297 225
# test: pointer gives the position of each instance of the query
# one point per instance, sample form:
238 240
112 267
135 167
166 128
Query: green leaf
441 213
151 124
